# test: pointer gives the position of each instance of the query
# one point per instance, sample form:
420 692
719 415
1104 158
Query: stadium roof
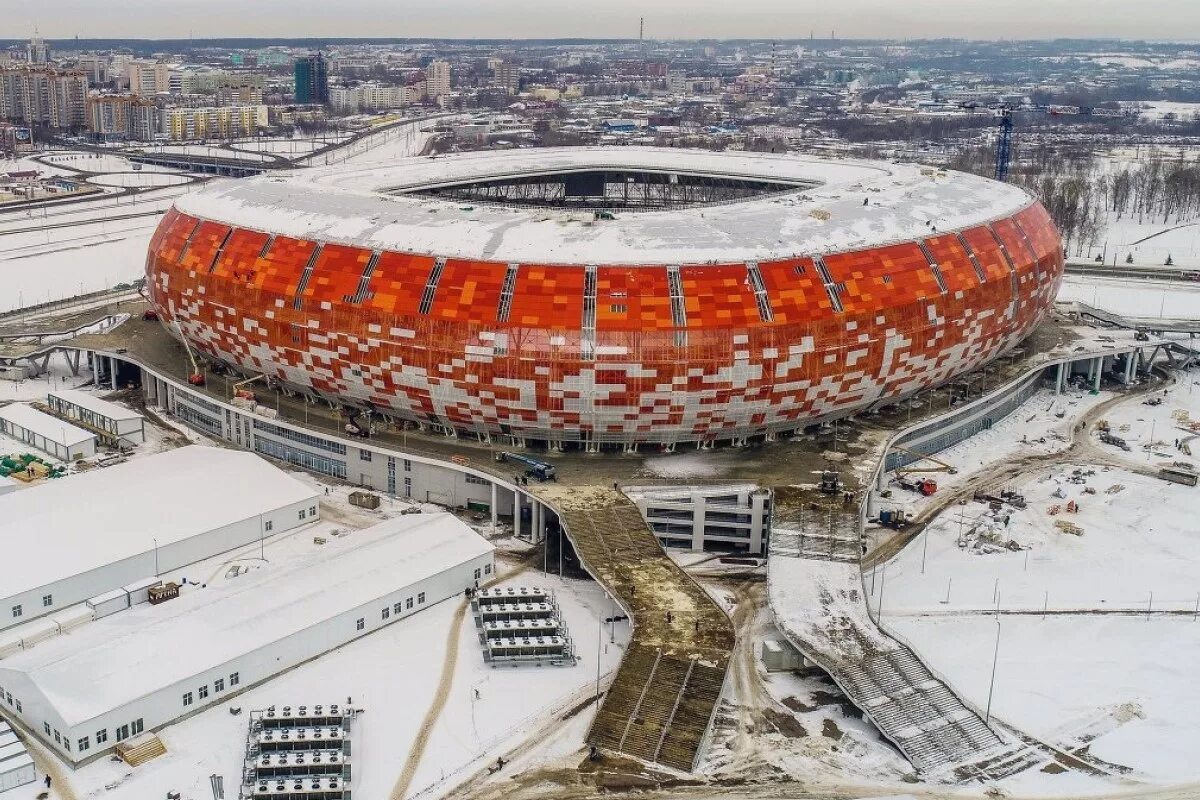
87 673
75 524
361 207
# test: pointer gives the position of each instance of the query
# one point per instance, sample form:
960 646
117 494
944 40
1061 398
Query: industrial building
821 289
725 518
81 536
38 429
110 421
76 692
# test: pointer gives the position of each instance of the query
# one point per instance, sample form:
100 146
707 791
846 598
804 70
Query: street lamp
992 685
156 557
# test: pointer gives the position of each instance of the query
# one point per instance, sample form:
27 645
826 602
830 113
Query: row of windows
301 458
198 419
121 733
387 611
202 403
8 696
18 609
301 438
478 480
218 687
312 512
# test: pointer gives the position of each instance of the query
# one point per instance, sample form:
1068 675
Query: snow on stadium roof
359 207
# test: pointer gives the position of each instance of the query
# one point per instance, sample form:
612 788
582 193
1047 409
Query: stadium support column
1097 371
516 514
112 372
493 505
535 521
1058 379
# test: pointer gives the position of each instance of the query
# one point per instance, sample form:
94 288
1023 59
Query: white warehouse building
117 423
140 670
51 435
78 537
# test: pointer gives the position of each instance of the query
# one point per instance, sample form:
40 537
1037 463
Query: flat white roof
74 524
41 423
367 207
95 404
86 672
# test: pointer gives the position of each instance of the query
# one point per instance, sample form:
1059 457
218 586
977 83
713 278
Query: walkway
664 694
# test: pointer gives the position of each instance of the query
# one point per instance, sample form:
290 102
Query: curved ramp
663 697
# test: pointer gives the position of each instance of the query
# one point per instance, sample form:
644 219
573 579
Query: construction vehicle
939 465
1116 441
196 376
894 519
831 481
925 486
240 391
533 468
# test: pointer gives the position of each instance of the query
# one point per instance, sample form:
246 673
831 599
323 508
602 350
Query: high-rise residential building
437 79
44 95
374 97
37 51
507 76
96 67
123 116
148 78
213 122
312 80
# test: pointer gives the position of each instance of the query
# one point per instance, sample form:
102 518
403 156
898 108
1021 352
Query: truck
925 486
533 468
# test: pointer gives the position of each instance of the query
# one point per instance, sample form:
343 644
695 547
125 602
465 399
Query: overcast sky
666 19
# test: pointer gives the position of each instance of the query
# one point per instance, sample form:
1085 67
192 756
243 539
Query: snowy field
1110 665
55 263
98 162
140 180
210 150
1134 298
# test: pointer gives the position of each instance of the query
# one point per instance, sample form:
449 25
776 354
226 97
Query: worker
670 617
476 694
48 781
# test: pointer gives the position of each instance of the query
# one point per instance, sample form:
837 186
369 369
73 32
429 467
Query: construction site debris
1068 527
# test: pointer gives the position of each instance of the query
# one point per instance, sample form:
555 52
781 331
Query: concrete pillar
872 505
880 481
1097 371
1058 379
698 512
493 506
112 370
516 514
1129 359
536 517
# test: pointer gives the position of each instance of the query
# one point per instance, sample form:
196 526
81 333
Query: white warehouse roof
41 423
75 524
87 673
95 404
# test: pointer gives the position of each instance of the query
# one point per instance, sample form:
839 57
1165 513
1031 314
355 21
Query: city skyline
668 19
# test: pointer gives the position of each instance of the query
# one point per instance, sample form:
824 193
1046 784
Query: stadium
607 295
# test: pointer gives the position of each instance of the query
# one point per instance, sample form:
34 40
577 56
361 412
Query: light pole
987 719
156 557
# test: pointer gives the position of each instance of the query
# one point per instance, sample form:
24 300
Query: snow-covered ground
1134 298
140 180
380 148
97 162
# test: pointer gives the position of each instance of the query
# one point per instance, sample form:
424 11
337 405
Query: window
233 679
47 600
122 733
487 569
269 525
387 612
478 573
407 465
137 726
187 698
302 513
408 603
46 727
219 684
18 705
396 608
312 511
101 736
364 455
477 480
67 743
83 744
203 691
360 624
408 487
420 597
16 610
57 736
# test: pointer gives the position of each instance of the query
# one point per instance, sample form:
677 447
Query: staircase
667 687
140 749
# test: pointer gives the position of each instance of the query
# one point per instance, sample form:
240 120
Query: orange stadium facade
604 347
